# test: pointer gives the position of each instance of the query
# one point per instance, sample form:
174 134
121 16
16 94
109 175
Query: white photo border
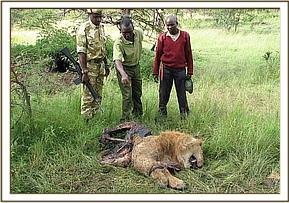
6 196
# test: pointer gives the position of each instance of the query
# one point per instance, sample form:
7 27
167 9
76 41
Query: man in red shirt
173 62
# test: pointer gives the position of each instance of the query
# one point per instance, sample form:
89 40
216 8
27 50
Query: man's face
172 26
95 18
127 32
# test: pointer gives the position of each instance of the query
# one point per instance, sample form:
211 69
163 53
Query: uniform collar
93 25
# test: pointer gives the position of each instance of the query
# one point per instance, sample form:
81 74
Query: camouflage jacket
90 40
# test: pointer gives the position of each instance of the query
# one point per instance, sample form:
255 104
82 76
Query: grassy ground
234 109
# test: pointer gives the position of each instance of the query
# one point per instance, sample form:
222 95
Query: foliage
49 44
146 63
109 46
230 18
53 41
30 63
271 70
23 53
34 18
150 20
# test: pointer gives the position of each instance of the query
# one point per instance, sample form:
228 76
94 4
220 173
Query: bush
51 42
109 46
39 19
270 70
20 52
146 63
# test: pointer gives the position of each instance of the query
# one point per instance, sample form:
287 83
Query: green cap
189 85
94 11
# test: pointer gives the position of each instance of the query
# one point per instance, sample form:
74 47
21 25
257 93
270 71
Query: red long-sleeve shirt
174 54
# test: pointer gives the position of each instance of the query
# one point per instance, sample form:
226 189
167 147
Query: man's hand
107 71
85 77
124 77
156 78
189 76
125 80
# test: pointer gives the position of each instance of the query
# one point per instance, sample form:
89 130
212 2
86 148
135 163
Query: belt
96 60
131 66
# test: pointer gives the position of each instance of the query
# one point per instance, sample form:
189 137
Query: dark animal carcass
120 140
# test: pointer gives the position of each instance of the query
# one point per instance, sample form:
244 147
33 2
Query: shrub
146 63
109 46
53 41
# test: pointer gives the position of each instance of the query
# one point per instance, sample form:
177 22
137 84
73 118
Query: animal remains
155 156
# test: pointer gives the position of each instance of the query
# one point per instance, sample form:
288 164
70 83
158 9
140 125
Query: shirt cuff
114 59
81 50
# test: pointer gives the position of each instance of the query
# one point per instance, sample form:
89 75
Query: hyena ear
192 142
195 142
200 142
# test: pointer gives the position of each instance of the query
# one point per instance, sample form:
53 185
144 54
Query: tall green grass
234 109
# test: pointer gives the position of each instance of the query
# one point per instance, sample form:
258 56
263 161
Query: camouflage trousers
131 94
96 74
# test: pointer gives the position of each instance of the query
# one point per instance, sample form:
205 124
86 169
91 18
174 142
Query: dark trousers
131 95
177 76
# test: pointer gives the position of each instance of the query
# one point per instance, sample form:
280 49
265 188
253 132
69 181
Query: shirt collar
174 37
129 42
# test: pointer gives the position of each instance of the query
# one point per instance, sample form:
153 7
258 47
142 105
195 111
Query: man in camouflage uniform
126 55
92 58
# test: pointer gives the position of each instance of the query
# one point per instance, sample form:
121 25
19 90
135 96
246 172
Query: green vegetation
235 109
